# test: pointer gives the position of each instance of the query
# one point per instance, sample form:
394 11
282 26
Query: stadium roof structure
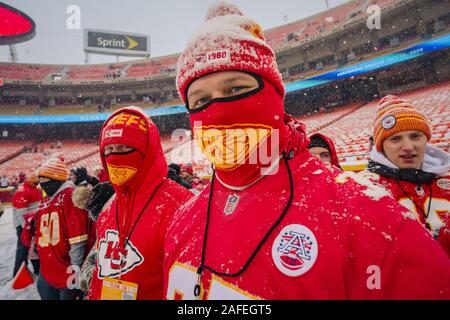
15 26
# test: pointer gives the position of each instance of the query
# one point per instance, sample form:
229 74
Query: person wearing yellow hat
415 172
26 199
62 233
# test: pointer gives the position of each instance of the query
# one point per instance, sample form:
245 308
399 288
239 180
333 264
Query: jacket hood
435 160
331 147
154 166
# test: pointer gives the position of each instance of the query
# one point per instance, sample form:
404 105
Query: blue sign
372 65
87 117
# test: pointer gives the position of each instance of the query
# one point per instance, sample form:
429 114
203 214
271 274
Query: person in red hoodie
61 234
323 148
131 228
26 199
277 223
415 172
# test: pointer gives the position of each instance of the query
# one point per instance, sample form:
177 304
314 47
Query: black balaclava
50 187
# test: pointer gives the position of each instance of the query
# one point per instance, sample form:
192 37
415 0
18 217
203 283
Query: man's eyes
228 92
200 102
236 89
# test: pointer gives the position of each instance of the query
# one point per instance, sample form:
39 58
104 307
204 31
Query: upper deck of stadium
280 38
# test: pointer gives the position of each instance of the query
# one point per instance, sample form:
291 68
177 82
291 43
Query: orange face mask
230 130
122 168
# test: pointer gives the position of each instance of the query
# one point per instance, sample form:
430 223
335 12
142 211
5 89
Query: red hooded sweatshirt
341 238
147 204
329 142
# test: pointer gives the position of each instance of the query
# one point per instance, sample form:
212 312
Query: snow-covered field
8 242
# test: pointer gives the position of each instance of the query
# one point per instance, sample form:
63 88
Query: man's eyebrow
234 79
195 92
230 80
224 82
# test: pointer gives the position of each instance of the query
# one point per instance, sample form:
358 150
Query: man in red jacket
61 234
415 172
131 228
26 199
323 148
283 225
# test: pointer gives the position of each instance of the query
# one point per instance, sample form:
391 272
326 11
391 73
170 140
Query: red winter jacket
25 199
342 238
144 251
430 204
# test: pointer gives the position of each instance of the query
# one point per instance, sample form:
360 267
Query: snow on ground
8 241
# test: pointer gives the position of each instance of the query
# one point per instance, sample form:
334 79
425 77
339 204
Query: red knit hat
228 41
127 128
55 169
395 115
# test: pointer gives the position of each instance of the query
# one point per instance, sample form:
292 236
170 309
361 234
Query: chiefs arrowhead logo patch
111 261
120 175
227 147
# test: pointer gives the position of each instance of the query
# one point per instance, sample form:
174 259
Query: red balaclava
244 135
130 129
135 175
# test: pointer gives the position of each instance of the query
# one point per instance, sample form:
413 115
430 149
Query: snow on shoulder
372 190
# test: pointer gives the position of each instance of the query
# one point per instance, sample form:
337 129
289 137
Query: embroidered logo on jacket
231 204
295 250
111 261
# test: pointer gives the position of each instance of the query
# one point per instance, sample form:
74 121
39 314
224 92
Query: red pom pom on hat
227 41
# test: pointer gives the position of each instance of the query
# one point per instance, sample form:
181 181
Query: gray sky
168 22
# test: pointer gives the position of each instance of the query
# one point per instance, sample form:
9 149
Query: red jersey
149 208
59 225
429 203
342 238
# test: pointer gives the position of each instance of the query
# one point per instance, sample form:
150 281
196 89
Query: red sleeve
415 267
76 221
390 255
444 238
